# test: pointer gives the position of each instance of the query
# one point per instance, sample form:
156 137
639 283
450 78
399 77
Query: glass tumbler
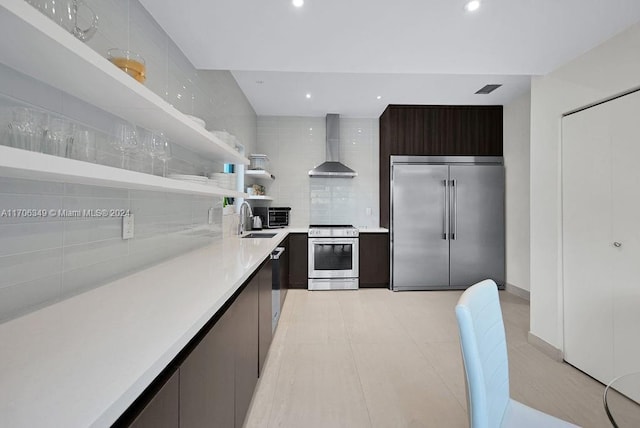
22 132
83 146
59 137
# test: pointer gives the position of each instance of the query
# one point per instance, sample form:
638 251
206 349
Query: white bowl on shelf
197 120
223 180
229 139
192 178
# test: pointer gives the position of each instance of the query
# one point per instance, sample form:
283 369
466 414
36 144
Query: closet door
625 132
587 253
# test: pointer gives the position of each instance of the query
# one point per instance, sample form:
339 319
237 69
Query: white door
601 239
625 131
587 237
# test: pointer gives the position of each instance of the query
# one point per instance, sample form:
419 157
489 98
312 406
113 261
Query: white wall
609 69
44 261
297 144
517 129
213 95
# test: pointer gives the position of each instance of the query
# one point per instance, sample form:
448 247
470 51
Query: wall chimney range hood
332 168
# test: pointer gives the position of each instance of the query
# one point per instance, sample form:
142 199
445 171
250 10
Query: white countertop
360 229
83 361
373 230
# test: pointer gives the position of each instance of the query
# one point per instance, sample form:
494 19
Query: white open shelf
20 163
259 174
36 46
259 198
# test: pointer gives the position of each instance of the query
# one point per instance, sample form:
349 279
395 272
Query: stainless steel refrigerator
447 221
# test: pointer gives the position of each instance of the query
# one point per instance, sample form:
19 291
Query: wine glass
152 144
126 141
162 151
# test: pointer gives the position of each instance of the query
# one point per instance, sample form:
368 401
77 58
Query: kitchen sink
259 235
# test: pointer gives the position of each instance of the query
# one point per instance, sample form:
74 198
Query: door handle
445 216
617 244
275 255
454 215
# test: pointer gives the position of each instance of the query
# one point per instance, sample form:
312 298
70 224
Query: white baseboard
517 291
545 347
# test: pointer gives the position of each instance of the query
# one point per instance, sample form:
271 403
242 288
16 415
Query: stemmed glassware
36 130
153 145
126 141
163 152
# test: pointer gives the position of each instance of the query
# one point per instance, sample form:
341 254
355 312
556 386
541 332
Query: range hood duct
332 168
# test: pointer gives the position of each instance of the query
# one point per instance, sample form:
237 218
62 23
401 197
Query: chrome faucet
242 226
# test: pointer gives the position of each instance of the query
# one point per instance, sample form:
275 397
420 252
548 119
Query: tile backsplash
212 95
49 257
297 144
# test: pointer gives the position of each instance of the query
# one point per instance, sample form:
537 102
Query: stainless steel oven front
333 263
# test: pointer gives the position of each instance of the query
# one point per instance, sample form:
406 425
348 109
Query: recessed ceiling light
308 96
298 3
472 6
379 97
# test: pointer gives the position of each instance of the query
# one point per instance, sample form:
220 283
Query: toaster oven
273 217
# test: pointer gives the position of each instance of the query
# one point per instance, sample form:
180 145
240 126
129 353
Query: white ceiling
346 52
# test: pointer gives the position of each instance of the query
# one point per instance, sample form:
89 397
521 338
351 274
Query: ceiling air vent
487 89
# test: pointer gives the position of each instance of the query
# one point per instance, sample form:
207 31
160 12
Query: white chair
486 367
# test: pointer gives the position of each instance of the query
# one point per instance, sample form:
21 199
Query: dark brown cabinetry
436 131
374 260
211 382
162 410
218 377
246 334
207 378
265 312
283 271
298 260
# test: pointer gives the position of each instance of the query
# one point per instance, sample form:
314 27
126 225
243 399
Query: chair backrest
484 354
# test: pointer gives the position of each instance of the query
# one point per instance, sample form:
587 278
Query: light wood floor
375 358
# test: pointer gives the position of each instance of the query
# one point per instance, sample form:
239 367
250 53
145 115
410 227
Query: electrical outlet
368 211
210 217
127 226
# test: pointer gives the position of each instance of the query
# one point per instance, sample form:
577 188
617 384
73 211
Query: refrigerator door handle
454 210
445 216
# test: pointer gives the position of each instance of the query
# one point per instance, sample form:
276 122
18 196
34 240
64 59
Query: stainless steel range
333 257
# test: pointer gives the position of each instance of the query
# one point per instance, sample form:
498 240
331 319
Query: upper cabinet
438 130
441 130
38 47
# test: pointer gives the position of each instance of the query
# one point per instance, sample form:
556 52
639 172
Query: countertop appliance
273 217
275 286
447 221
333 257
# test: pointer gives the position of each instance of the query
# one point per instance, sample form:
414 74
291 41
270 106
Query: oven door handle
337 241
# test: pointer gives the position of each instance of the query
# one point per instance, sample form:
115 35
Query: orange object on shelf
133 68
129 62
